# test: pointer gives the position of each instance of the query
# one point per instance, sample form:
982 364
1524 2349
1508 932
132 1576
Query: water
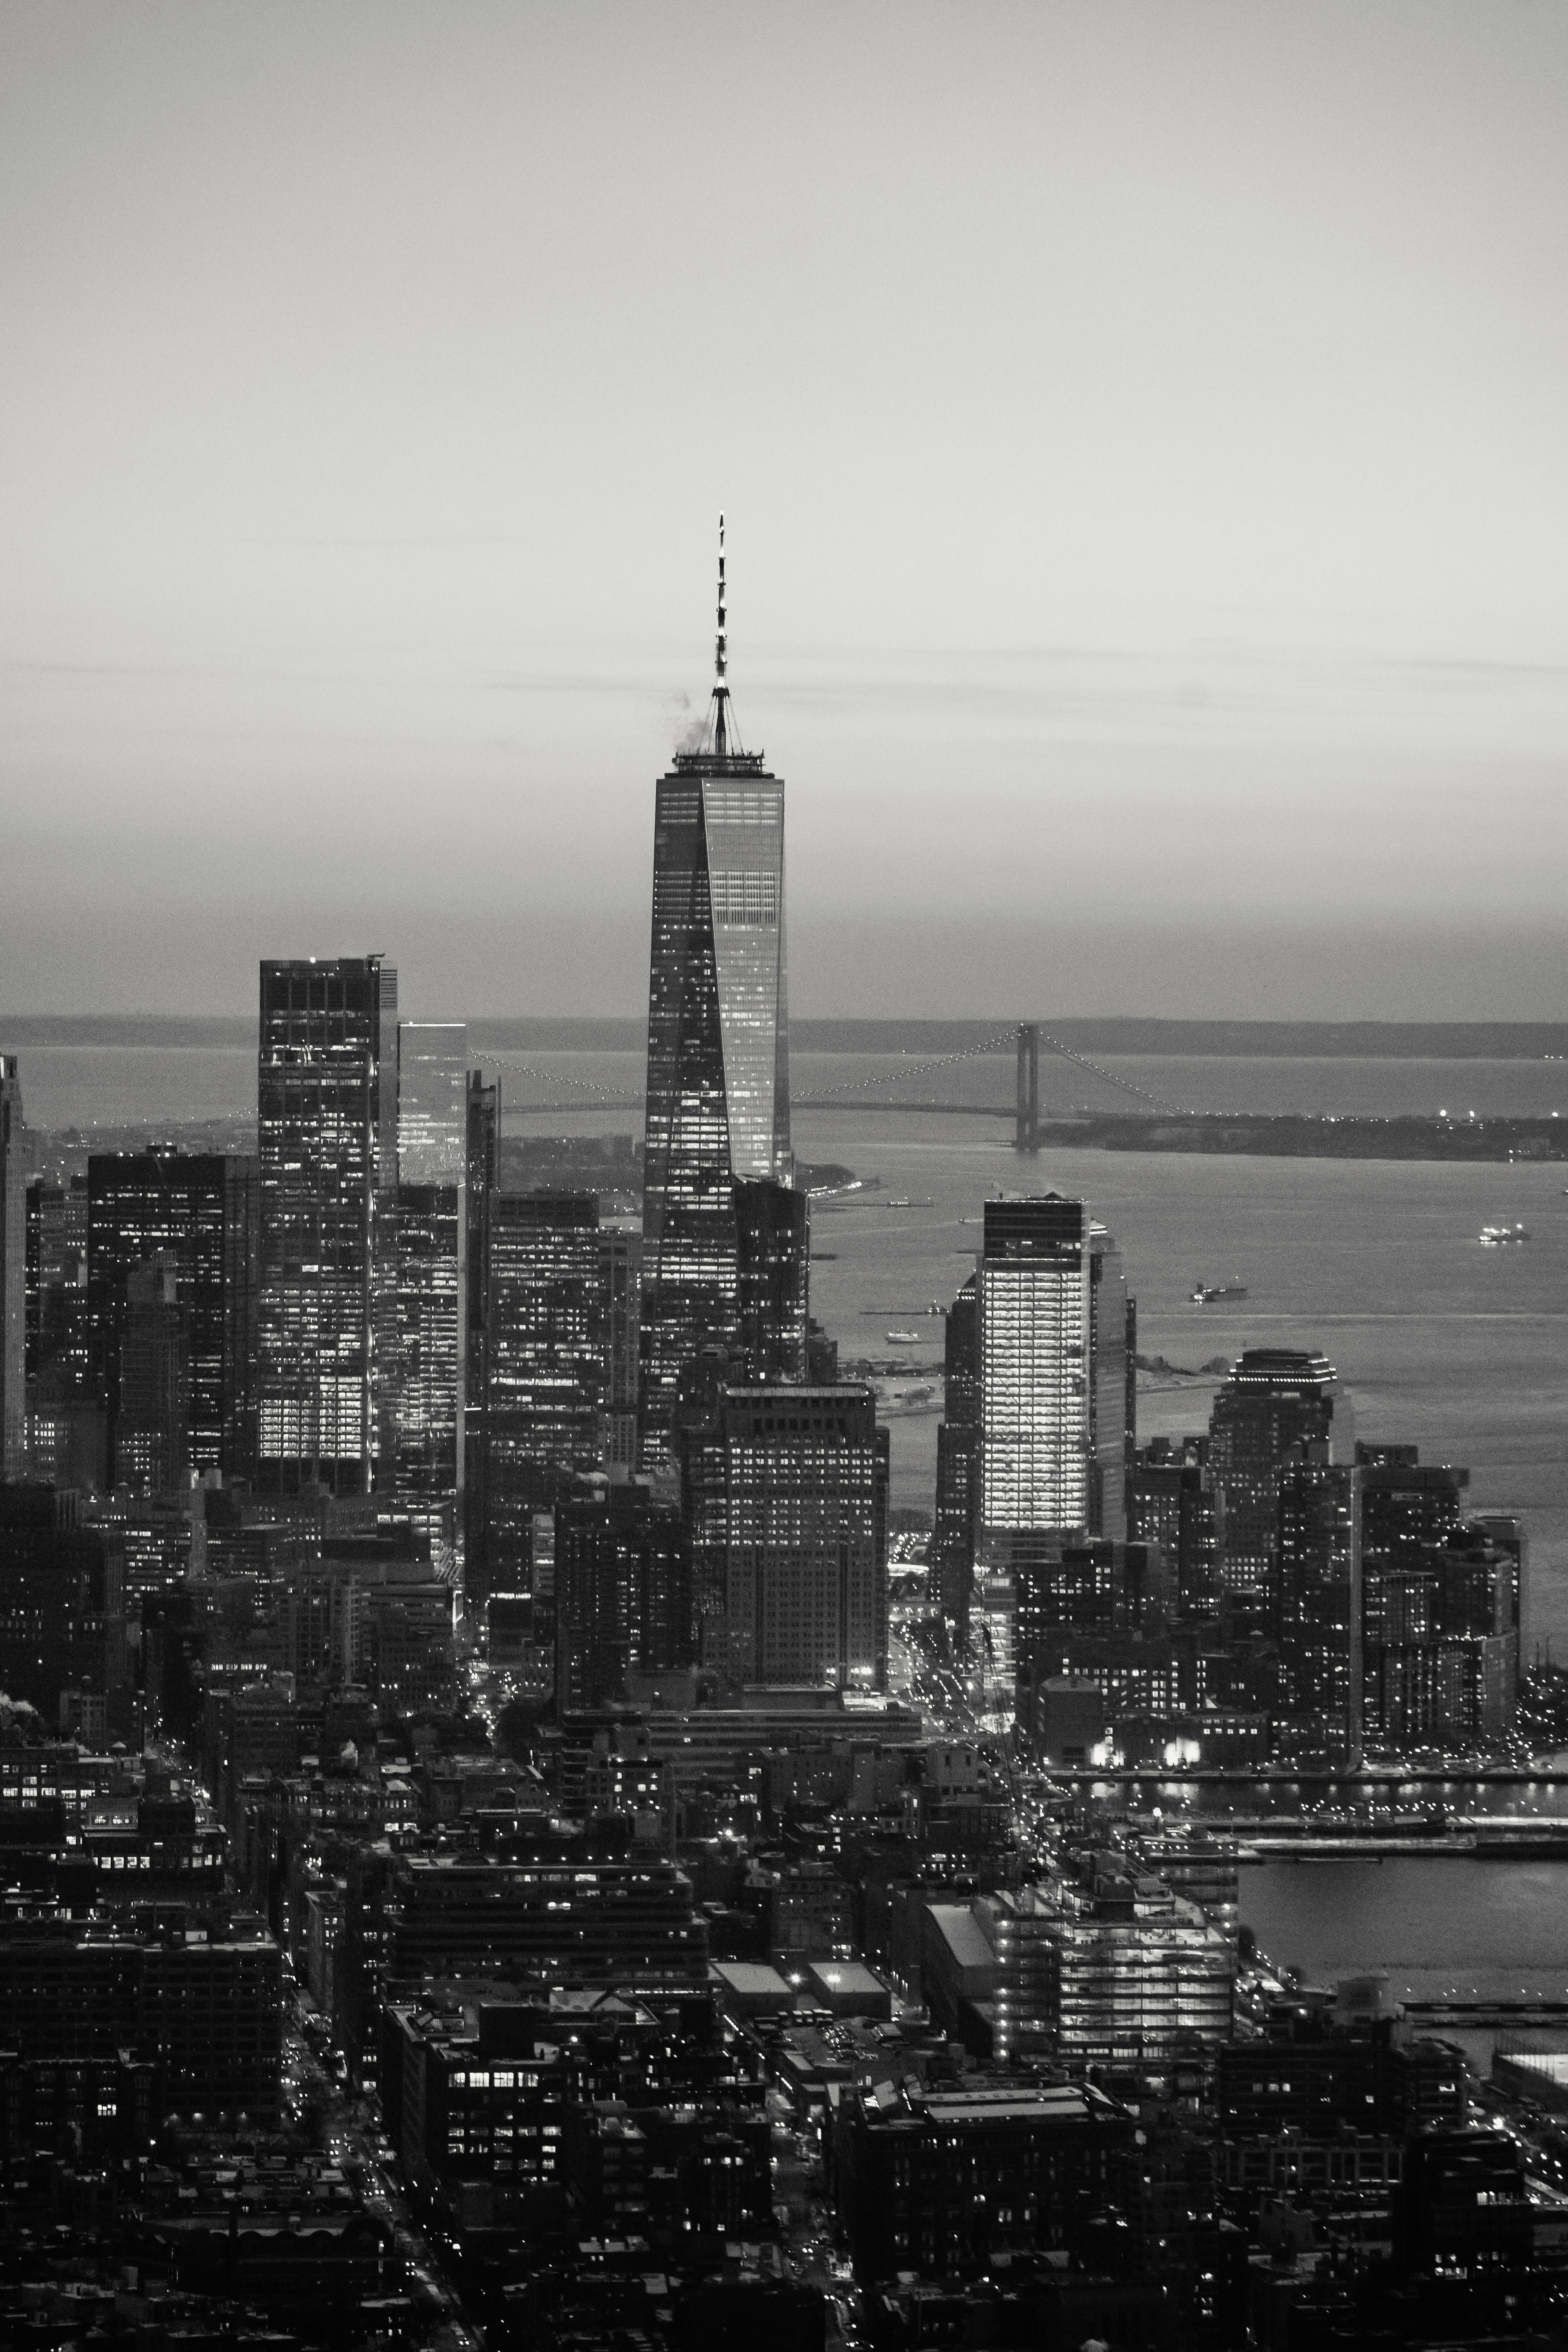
1476 1930
1459 1349
1437 1340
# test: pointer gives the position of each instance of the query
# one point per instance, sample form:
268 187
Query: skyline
1142 462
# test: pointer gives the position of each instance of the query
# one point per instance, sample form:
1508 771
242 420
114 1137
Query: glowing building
718 1044
327 1122
1053 1323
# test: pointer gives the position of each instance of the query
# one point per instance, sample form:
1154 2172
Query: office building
432 1087
62 1607
203 2004
13 1273
429 1353
620 1255
551 1920
956 1521
197 1214
1172 1504
787 1495
1118 1971
1051 1319
327 1111
946 2183
152 1424
772 1251
1273 1400
544 1373
57 1279
623 1588
1320 1603
718 1044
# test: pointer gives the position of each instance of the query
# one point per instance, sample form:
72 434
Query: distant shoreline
1503 1041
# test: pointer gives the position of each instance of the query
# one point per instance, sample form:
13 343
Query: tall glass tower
718 1042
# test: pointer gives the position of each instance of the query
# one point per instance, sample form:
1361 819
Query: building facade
327 1115
787 1500
718 1045
1274 1399
432 1084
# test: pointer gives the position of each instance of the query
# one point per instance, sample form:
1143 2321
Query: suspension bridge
917 1085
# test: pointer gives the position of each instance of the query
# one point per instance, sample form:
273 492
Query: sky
1141 430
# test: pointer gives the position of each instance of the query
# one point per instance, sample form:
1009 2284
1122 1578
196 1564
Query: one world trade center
718 1141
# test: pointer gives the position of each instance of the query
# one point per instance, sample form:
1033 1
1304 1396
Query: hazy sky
1143 431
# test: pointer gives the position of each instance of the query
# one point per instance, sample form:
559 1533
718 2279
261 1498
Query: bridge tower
1026 1134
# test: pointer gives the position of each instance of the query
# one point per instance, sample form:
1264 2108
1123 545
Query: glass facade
1053 1353
718 1056
326 1120
432 1084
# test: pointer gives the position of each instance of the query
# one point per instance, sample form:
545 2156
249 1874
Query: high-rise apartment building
432 1085
718 1044
13 1273
327 1106
1052 1325
1275 1399
197 1214
787 1495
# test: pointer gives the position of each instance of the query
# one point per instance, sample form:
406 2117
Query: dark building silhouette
787 1499
620 1252
198 1214
773 1248
153 1426
1172 1505
62 1611
623 1588
718 1045
1320 1589
956 1519
544 1372
1275 1399
327 1123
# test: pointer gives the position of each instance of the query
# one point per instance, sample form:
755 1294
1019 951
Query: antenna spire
720 660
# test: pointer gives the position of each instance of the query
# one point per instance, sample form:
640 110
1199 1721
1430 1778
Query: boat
1207 1293
905 1339
1499 1236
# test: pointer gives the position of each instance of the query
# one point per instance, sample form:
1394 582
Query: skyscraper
427 1362
544 1372
1275 1399
327 1105
198 1214
788 1502
958 1464
13 1273
1053 1338
718 1041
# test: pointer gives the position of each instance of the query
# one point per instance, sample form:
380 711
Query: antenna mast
720 657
